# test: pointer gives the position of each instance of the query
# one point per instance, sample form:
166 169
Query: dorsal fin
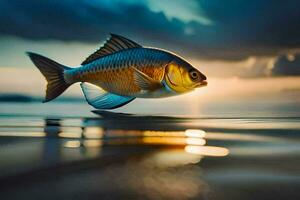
113 44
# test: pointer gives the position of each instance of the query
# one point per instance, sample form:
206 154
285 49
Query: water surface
54 151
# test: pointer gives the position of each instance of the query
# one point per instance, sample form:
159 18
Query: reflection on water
191 140
72 144
100 132
207 150
149 157
22 134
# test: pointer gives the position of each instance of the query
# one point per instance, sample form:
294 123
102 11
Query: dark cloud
239 29
287 66
256 23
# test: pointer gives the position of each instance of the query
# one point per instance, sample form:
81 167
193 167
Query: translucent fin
100 99
54 74
113 44
145 82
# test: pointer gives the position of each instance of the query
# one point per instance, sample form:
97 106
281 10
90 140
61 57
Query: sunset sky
246 48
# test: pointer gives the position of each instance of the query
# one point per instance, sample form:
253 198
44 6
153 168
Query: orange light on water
22 134
72 144
93 132
69 135
173 141
92 143
70 132
195 133
164 140
207 150
195 141
163 133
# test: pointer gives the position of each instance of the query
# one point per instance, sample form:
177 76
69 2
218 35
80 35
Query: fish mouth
202 84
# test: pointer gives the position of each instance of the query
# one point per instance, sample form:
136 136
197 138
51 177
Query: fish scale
114 72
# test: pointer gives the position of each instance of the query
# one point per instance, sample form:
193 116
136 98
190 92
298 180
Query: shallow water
59 152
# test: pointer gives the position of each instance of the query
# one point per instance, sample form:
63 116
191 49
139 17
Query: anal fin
101 99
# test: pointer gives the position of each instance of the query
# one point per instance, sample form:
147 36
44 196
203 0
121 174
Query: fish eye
194 75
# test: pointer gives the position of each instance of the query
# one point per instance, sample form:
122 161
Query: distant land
26 98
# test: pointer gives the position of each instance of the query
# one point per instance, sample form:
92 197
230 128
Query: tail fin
54 74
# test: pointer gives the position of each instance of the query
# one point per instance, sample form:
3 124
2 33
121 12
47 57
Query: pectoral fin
101 99
145 82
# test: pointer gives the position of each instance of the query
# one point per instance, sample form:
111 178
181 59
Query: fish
120 71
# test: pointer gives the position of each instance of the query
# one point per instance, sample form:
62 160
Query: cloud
180 9
258 67
238 29
83 20
287 66
284 65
